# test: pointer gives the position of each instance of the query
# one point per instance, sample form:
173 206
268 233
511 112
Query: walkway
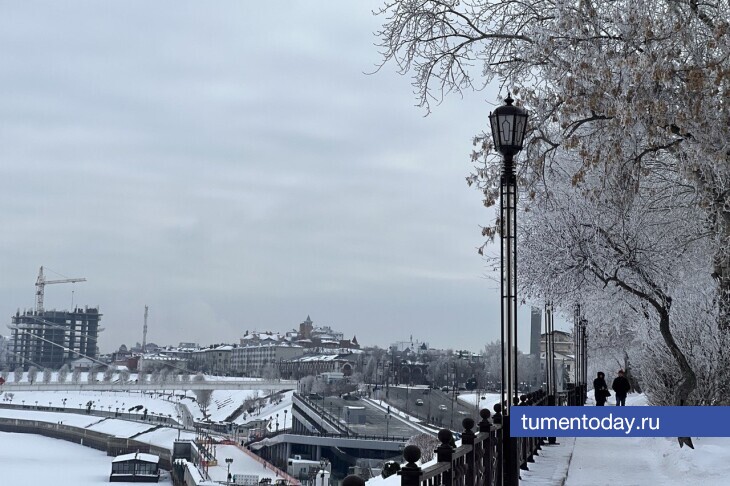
551 466
631 461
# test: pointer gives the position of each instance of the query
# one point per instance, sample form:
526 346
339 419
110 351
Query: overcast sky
230 165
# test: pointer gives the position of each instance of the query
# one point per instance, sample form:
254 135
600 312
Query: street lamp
508 124
550 360
322 470
584 358
229 461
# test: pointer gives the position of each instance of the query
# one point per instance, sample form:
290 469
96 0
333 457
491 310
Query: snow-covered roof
282 344
319 357
159 357
140 456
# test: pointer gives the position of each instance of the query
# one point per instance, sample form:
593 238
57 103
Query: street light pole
550 360
584 358
229 461
508 124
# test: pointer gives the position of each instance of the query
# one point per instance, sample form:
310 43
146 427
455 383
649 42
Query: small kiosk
135 468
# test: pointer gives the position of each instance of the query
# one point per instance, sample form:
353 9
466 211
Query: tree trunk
688 379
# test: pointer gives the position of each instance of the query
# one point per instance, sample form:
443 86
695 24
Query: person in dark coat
621 386
600 389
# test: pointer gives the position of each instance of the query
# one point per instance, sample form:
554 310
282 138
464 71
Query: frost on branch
628 88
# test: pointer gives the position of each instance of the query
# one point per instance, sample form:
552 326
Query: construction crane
41 283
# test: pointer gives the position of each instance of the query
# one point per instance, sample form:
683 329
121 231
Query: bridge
132 385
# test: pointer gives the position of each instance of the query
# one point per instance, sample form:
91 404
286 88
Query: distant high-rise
50 339
536 324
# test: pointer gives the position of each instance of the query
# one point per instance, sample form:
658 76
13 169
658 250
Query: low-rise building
250 359
316 364
215 360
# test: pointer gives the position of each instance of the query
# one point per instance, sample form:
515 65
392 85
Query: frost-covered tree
203 397
4 374
620 84
306 384
62 374
18 374
370 370
76 375
492 361
427 443
438 370
108 374
124 376
32 374
47 374
270 372
629 251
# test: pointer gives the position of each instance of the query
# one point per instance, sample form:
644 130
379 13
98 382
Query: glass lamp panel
495 133
519 130
506 124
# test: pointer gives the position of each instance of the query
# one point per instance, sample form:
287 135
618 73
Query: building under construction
50 339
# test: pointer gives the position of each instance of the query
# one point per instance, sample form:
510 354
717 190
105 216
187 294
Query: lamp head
509 124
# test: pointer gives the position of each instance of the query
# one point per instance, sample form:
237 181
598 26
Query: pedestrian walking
621 387
600 389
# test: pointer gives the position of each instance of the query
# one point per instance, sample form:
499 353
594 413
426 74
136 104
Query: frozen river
33 459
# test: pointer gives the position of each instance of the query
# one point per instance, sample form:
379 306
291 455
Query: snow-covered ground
637 461
479 400
222 405
27 459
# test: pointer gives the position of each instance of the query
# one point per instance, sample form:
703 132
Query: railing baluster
410 474
444 453
467 438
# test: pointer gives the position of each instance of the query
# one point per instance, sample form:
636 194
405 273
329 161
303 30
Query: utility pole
144 329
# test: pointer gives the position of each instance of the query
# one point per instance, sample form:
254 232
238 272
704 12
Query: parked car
419 402
443 407
444 388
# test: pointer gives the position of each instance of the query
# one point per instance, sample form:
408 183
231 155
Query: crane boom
41 283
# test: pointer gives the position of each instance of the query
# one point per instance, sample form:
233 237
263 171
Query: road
432 410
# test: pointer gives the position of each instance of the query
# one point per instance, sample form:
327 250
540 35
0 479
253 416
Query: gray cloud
230 165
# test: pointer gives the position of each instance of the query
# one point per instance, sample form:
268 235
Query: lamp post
550 360
584 358
579 356
322 470
508 124
229 461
